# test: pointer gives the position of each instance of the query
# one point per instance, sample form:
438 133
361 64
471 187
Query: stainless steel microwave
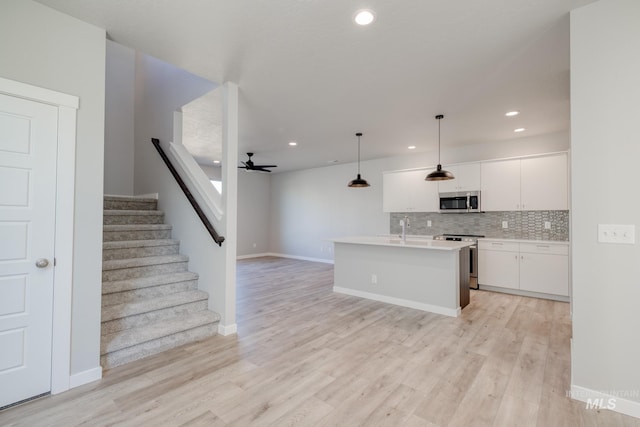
460 202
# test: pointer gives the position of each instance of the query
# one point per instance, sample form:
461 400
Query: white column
230 203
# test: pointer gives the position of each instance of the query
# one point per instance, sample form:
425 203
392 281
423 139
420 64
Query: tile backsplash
521 224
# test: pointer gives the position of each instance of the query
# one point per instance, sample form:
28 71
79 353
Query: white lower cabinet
498 264
533 267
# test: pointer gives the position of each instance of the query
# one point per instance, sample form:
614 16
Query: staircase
150 302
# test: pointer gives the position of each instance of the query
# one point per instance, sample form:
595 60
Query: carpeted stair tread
116 264
145 282
131 337
121 244
149 348
119 311
130 199
132 212
135 227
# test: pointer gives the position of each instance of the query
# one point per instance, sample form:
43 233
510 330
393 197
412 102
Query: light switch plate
428 223
505 224
617 233
547 225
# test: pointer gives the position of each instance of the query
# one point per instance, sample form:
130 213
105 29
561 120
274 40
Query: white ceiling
307 73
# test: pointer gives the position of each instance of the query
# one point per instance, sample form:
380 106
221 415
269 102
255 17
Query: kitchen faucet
405 224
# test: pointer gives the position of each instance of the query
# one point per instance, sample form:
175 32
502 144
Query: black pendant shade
358 182
439 174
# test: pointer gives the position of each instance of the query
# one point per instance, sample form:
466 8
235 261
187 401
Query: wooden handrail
207 224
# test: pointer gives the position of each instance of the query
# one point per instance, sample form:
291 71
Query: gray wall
605 90
254 207
45 48
119 120
310 206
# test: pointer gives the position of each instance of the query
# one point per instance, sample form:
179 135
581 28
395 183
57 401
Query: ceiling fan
250 166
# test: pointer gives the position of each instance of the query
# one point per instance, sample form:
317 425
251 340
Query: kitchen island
424 274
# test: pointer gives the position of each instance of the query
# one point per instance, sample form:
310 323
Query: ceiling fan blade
259 169
265 166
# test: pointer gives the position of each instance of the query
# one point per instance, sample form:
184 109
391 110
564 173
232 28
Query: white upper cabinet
407 191
544 183
500 185
536 183
467 178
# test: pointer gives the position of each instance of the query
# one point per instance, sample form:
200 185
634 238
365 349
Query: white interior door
28 149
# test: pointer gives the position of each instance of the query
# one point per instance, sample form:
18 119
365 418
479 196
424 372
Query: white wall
254 206
119 120
161 89
213 172
605 148
310 206
45 48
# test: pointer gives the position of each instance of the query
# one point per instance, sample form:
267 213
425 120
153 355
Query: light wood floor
306 356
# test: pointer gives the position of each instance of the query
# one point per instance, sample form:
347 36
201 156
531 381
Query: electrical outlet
614 233
428 223
505 224
547 225
374 279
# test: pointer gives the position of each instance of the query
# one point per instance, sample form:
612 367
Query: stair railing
203 217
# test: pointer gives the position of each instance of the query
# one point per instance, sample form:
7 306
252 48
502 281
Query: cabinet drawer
498 246
542 248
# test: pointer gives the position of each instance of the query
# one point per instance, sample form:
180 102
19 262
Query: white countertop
416 243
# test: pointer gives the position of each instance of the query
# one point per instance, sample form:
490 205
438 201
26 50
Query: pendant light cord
358 154
439 120
359 134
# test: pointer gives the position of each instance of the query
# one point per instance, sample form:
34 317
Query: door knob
42 263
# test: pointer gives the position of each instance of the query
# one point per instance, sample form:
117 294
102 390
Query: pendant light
439 174
359 182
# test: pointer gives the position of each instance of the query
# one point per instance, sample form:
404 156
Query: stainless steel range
473 251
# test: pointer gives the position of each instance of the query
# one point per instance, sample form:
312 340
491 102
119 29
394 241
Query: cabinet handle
496 244
543 246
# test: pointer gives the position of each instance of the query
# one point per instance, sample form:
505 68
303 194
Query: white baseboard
85 377
302 258
253 255
614 400
524 293
399 301
225 330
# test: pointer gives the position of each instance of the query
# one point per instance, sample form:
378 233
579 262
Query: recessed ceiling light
364 17
411 147
293 143
512 113
519 130
216 162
